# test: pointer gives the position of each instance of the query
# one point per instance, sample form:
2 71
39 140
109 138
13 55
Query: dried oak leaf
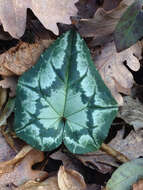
111 66
138 185
131 146
23 171
9 82
13 14
70 179
104 22
20 58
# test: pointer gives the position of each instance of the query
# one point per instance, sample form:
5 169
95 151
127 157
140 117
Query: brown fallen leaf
67 179
110 65
70 179
138 185
20 58
131 146
6 152
49 184
132 112
100 160
13 14
9 138
23 171
104 22
8 165
11 83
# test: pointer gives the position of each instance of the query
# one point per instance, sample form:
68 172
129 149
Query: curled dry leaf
70 179
111 66
13 14
9 82
104 22
20 58
138 185
23 171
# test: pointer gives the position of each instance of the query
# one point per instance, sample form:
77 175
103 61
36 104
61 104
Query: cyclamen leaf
129 29
126 175
63 99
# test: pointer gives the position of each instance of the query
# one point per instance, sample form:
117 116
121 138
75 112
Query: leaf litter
97 21
13 14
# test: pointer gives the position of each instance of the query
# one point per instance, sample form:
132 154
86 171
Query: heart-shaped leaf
63 99
129 29
126 175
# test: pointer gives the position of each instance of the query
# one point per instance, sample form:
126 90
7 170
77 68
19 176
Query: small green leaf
130 27
63 99
126 175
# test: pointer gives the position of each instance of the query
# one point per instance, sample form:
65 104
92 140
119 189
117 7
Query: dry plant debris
13 14
131 146
22 172
20 58
132 112
100 160
6 152
138 185
8 165
111 66
49 184
9 82
70 179
103 23
66 179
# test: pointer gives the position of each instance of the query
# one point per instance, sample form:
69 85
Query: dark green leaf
130 27
126 175
63 99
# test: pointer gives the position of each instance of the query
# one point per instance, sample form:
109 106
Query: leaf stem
114 153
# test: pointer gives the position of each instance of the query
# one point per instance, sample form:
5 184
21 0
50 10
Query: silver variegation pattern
63 99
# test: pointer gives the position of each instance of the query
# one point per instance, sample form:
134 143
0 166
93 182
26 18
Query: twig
117 155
